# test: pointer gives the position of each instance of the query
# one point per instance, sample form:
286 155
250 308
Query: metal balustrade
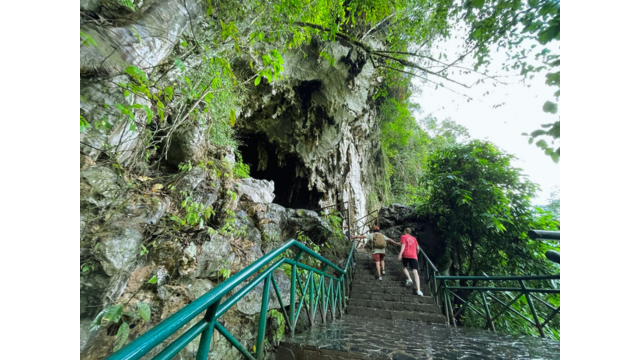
323 289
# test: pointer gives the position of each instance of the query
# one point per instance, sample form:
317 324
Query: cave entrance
291 191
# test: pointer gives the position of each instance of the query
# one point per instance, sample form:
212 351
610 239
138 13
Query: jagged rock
97 105
104 186
305 129
257 191
167 255
216 255
85 162
191 179
311 224
397 213
188 143
147 210
251 303
144 43
119 248
246 228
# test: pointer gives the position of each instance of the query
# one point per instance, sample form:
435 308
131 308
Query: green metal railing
323 289
430 271
450 292
445 293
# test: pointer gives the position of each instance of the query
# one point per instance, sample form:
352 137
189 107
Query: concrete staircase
389 298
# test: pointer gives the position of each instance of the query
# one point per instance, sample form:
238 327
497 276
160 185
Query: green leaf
232 117
542 144
548 34
112 315
538 133
477 4
168 93
88 40
550 107
153 280
121 336
144 310
149 114
257 81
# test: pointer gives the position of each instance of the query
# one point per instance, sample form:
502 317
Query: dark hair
407 231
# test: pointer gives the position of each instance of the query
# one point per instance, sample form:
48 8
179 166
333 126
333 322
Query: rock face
310 138
185 266
315 131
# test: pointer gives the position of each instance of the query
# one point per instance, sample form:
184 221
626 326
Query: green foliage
481 206
274 65
87 39
406 142
240 169
225 273
115 314
195 213
143 250
280 322
128 4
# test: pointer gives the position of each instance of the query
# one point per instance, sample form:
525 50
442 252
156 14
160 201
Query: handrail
431 271
332 294
447 293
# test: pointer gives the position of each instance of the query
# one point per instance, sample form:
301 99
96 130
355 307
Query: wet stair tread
395 314
395 305
359 337
393 298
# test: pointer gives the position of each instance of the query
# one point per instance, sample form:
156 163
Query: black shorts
407 262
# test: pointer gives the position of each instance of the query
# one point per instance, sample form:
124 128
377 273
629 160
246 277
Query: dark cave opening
291 191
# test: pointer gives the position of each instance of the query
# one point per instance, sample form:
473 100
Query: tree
481 206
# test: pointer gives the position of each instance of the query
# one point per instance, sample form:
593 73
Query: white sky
522 112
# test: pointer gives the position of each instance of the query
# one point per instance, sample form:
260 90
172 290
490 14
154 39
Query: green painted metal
261 270
448 292
444 293
262 323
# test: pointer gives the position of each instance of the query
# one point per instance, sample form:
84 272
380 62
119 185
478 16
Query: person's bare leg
415 273
382 262
378 268
406 272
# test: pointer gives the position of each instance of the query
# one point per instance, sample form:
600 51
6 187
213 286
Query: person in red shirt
409 256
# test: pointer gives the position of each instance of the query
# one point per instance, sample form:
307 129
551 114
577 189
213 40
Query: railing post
312 310
262 324
533 309
444 301
292 300
487 312
323 300
207 334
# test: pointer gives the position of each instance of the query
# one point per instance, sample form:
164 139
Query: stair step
391 314
388 278
426 299
378 289
396 306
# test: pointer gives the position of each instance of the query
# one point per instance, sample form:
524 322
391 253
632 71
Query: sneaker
380 278
409 282
420 293
383 273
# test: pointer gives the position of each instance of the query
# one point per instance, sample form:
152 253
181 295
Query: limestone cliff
310 139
